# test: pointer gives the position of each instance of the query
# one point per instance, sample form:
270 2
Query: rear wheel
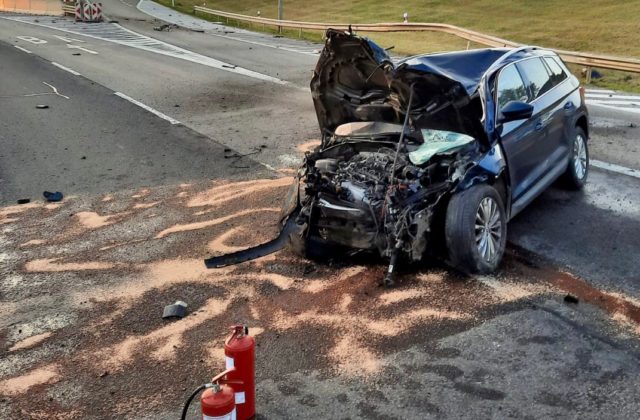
476 229
576 175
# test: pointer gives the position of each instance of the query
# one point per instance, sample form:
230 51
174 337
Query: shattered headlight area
359 196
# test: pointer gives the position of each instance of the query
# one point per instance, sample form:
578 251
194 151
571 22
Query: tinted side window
557 72
510 86
537 76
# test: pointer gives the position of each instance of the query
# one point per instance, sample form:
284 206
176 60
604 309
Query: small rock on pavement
42 106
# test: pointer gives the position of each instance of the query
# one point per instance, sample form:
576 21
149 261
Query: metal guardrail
586 59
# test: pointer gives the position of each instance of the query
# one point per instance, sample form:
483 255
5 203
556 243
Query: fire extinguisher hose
188 402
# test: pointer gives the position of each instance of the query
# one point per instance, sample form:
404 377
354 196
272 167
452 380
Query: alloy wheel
579 157
488 229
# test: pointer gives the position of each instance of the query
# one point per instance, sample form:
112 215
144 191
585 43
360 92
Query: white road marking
32 39
29 95
148 108
60 66
55 90
616 108
65 39
612 167
112 32
612 96
587 91
22 49
77 47
177 52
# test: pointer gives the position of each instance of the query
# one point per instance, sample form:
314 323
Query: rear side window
510 86
537 76
558 74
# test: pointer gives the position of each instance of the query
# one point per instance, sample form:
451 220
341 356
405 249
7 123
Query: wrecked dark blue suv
431 156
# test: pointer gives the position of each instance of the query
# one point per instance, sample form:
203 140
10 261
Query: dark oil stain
537 339
308 400
480 391
553 400
586 292
287 389
368 411
342 398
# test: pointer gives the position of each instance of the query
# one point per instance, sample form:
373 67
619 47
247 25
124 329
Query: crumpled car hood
356 80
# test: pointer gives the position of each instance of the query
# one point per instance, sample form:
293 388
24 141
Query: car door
518 138
548 115
560 96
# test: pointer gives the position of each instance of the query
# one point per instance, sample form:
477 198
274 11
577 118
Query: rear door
549 115
518 138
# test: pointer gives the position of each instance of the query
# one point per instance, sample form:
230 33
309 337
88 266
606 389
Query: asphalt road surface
201 167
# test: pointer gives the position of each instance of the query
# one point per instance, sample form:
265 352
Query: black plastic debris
24 201
308 269
42 106
166 27
229 66
53 196
177 310
571 299
76 54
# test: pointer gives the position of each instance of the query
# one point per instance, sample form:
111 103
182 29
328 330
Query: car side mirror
515 110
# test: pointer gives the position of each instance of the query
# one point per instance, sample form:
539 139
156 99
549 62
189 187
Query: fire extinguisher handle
238 330
218 377
226 382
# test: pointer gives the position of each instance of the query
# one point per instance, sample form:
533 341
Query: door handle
568 105
539 126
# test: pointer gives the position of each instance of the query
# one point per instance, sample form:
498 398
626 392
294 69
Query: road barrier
69 8
586 59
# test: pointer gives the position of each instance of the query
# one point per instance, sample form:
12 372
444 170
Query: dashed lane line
22 49
147 107
614 107
612 167
610 99
60 66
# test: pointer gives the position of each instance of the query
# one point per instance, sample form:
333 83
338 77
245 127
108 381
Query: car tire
576 174
476 230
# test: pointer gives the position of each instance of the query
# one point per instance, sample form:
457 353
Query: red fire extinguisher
218 401
240 355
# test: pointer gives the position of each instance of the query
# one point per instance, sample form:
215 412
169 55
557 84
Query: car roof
468 66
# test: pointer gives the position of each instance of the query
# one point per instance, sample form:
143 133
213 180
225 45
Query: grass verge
608 27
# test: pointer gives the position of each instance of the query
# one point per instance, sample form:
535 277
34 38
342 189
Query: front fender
487 169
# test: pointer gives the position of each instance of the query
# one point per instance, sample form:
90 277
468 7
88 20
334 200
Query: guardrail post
588 75
280 14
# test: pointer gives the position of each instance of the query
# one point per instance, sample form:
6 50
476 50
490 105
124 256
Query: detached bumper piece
257 251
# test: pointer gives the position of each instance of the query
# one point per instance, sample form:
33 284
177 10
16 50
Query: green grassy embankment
605 26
